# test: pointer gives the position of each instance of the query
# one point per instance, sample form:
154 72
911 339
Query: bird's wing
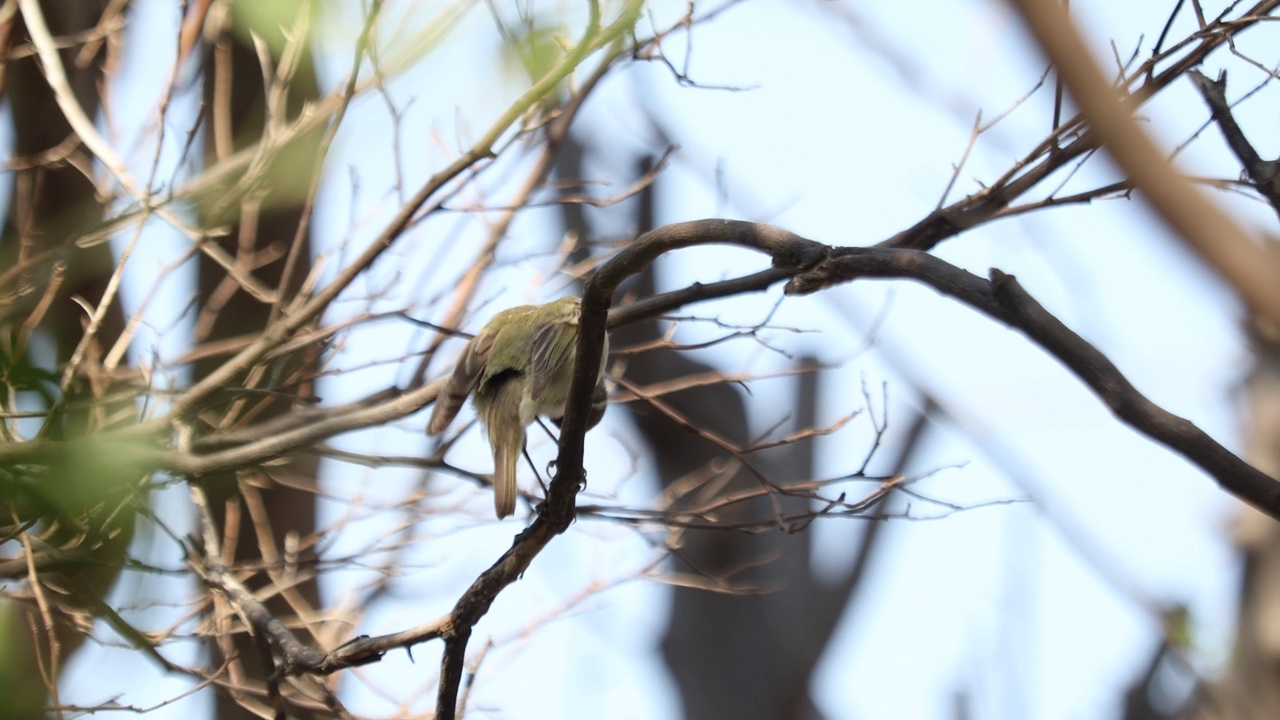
552 354
466 375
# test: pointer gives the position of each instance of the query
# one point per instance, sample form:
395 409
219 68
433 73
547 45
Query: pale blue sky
845 145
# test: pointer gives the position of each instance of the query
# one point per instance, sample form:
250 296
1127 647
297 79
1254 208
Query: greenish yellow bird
518 367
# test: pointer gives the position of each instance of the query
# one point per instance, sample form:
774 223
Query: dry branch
1243 263
1264 173
1003 299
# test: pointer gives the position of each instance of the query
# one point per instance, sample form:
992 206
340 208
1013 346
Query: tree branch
1003 299
1204 227
790 252
1265 173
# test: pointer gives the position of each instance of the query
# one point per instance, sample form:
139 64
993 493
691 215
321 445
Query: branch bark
1003 299
1265 173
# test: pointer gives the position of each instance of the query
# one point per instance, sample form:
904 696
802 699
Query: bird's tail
507 447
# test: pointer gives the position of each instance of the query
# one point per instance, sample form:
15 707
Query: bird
517 368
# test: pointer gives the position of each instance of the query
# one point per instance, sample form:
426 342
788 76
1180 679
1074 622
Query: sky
845 131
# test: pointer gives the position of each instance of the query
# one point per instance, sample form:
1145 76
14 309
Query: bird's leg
551 466
547 430
533 467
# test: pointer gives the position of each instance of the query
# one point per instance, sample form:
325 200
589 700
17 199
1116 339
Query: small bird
518 367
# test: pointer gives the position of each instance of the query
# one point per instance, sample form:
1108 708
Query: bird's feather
466 375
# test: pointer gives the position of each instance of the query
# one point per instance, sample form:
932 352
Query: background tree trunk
748 652
1250 689
262 225
52 204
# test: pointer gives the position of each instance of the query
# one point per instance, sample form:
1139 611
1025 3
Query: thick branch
1003 298
790 252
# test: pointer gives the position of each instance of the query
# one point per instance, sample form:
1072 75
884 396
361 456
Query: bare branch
1265 174
1242 262
1003 299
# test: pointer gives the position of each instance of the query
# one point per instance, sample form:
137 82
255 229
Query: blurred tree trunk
1250 688
733 655
262 227
52 203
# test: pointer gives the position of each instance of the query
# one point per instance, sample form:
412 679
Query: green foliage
534 51
269 21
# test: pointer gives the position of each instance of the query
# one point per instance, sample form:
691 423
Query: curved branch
1003 299
790 253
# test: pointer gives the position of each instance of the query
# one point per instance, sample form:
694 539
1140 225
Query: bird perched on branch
518 367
